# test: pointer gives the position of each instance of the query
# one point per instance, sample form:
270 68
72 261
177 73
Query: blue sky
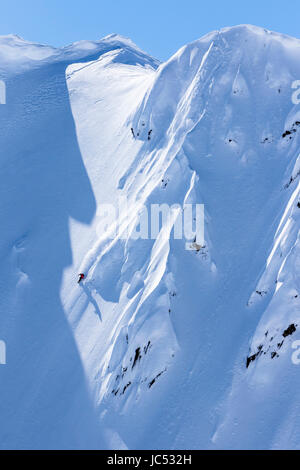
159 27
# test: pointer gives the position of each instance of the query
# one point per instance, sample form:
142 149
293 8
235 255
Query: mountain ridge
160 346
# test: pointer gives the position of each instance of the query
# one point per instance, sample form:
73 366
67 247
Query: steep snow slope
44 397
160 347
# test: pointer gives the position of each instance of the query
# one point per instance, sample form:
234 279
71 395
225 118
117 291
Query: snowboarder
80 278
132 132
149 134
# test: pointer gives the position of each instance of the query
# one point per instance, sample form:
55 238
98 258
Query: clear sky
159 27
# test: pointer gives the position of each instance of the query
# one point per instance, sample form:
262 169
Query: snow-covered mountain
159 347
